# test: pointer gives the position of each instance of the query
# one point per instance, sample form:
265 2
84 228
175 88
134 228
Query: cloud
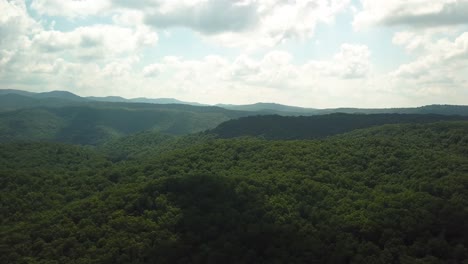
444 55
212 79
235 23
351 62
440 71
278 21
239 23
205 16
94 42
152 70
415 13
15 24
249 79
71 8
81 59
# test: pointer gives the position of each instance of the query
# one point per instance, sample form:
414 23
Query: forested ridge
396 193
96 124
318 126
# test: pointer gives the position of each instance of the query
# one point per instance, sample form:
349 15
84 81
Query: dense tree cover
389 194
148 143
319 126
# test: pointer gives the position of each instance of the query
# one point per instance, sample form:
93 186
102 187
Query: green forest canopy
389 194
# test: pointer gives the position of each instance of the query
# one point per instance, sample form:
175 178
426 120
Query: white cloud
245 23
152 70
15 24
247 79
353 61
212 79
120 67
105 58
281 20
71 8
237 23
416 13
433 34
441 55
94 42
440 71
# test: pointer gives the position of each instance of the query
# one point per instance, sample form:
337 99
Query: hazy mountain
258 108
12 91
271 108
108 99
427 109
141 100
71 96
52 94
161 101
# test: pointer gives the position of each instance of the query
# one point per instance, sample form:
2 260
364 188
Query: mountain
95 122
19 92
141 100
52 94
60 94
14 101
271 108
427 109
162 101
115 99
73 97
318 126
258 108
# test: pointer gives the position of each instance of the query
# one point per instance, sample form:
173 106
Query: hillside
319 126
95 123
388 194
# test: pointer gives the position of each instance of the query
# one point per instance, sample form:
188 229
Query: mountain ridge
259 107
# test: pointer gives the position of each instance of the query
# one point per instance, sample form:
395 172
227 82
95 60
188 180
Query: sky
309 53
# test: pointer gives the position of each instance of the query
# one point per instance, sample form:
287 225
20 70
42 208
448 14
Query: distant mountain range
115 99
16 99
142 100
65 117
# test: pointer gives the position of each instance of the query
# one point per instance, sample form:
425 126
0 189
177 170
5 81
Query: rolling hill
318 126
94 123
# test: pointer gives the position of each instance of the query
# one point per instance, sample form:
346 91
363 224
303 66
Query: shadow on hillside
227 222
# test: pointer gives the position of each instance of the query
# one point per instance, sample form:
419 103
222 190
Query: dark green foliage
388 194
148 143
309 127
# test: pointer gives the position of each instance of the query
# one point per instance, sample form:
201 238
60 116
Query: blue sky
312 53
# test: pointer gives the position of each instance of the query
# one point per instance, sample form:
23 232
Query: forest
394 193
